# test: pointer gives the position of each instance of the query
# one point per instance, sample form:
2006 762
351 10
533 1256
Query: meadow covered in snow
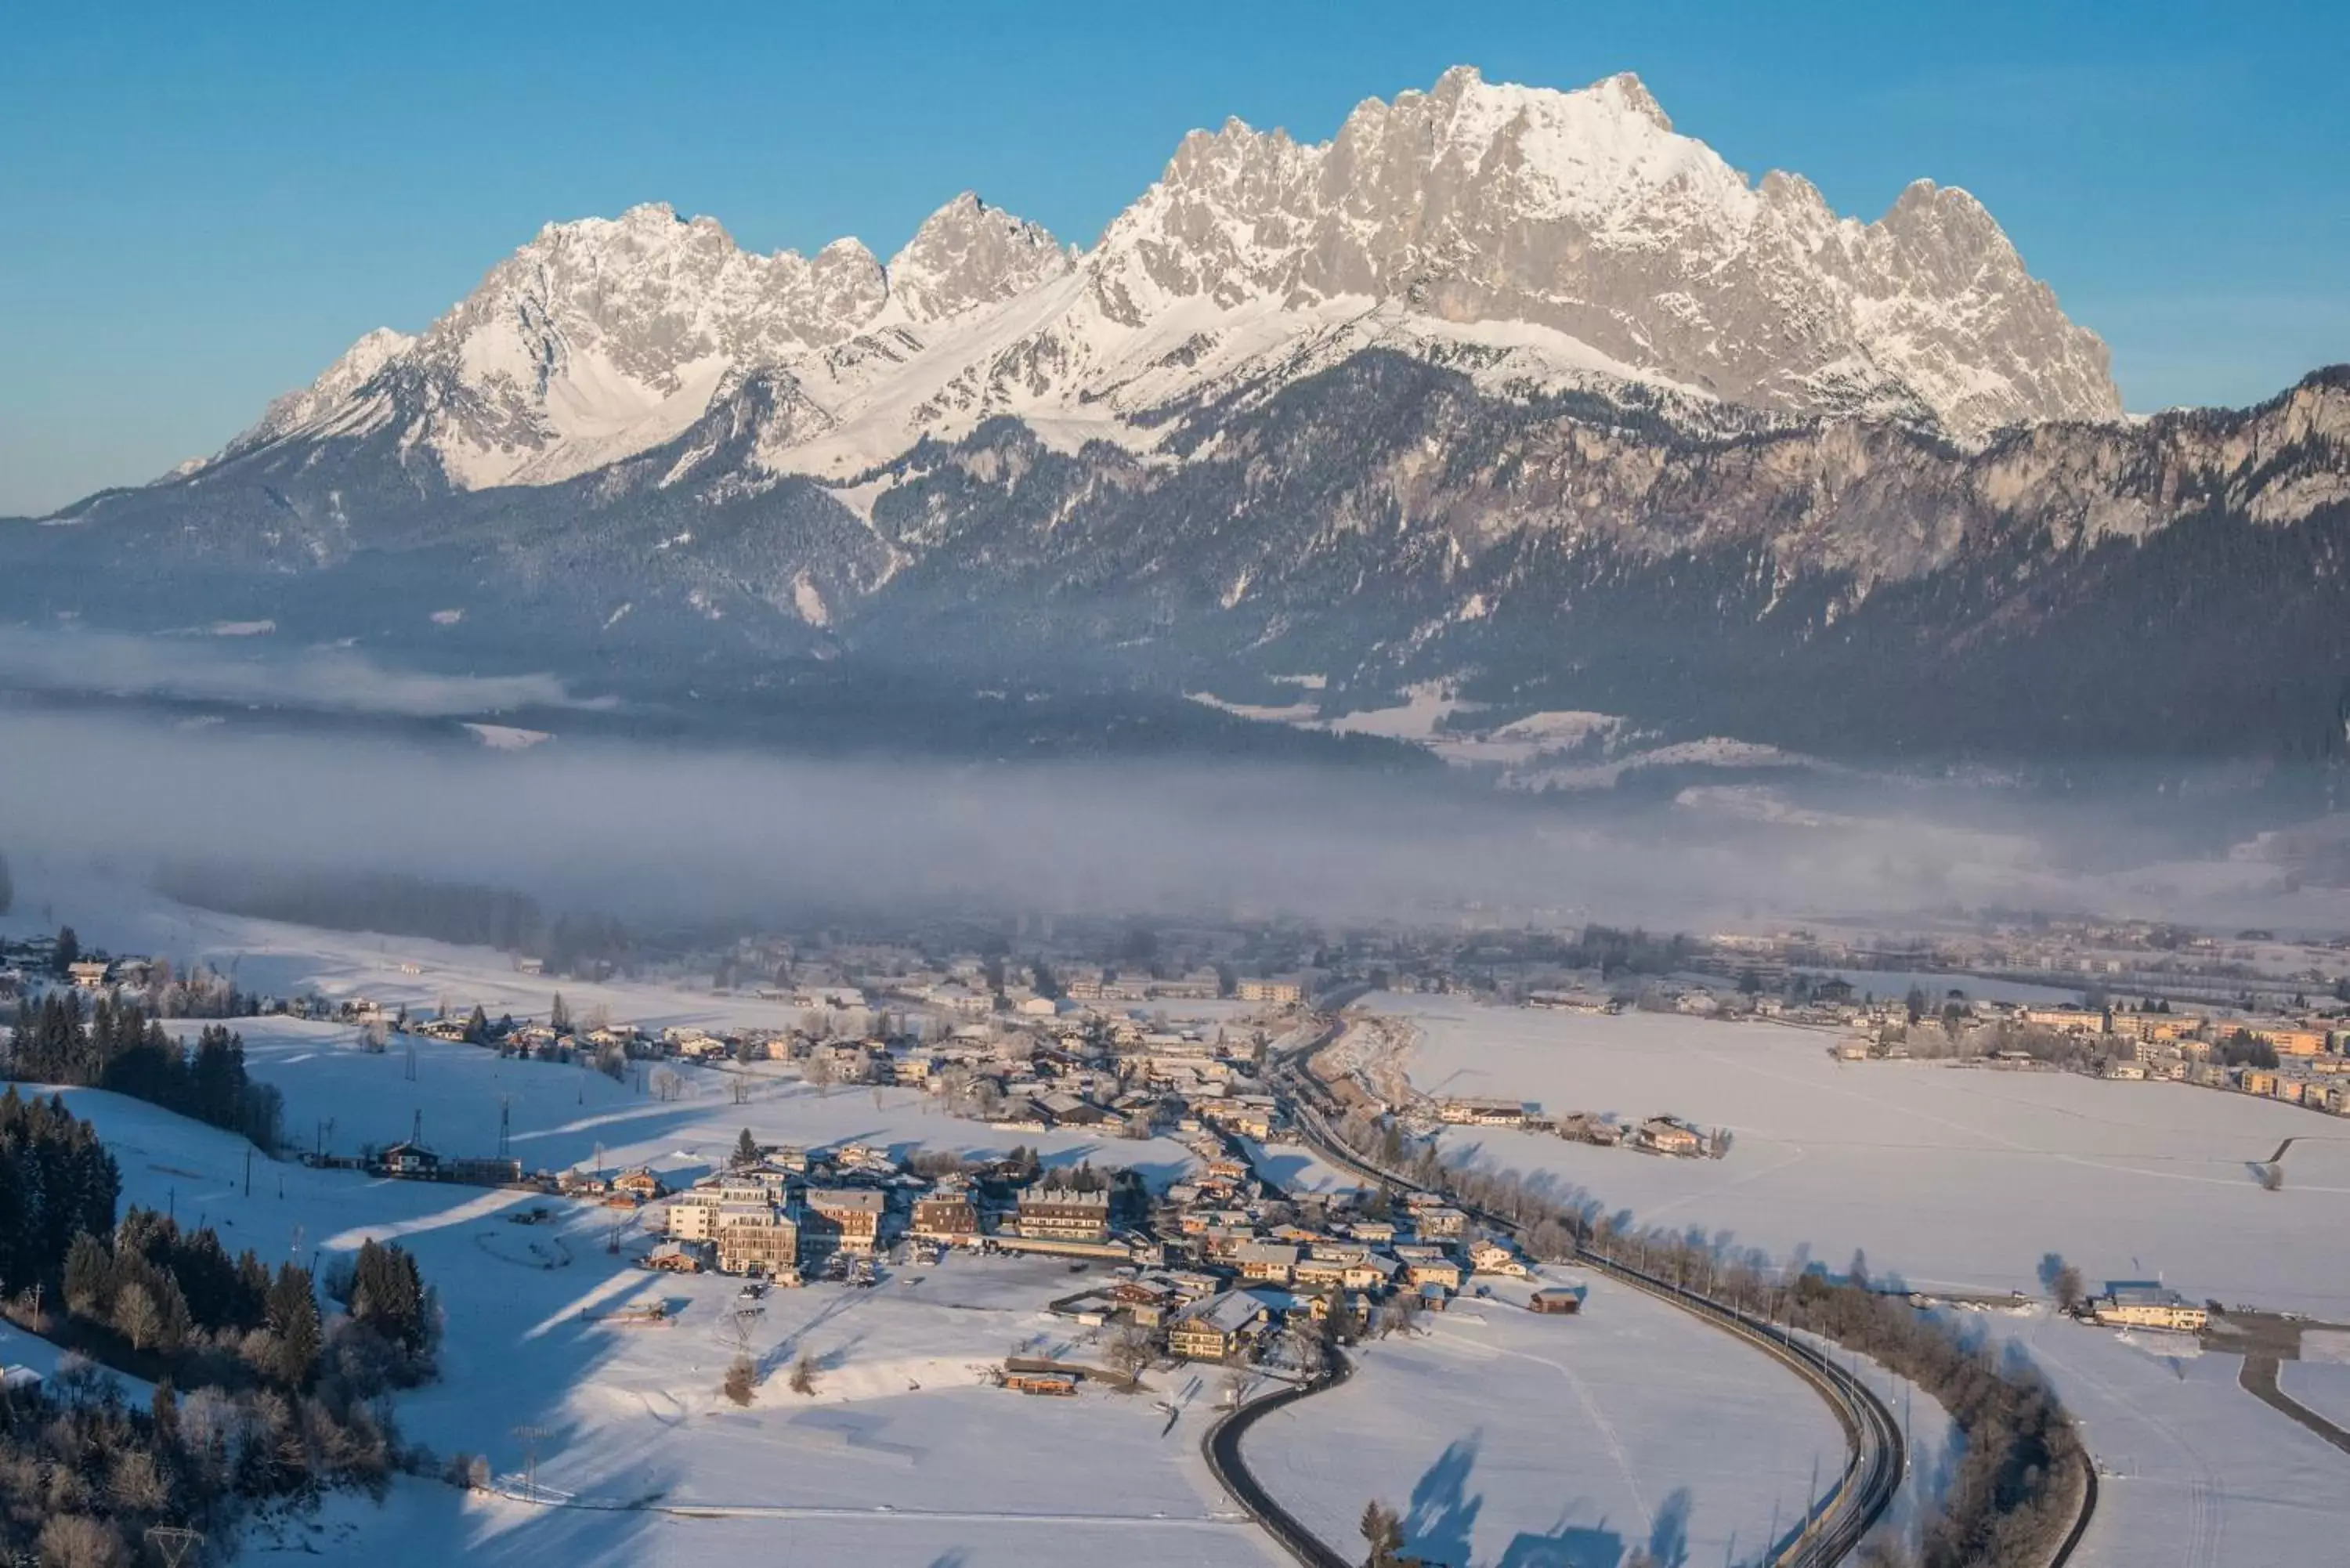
903 1454
1506 1437
1962 1179
1948 1177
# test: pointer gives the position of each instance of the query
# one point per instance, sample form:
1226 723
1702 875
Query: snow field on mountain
1505 1436
1533 237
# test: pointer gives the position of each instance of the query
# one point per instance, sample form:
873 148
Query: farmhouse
1267 1261
1217 1328
674 1258
1667 1136
640 1183
1482 1113
410 1159
1055 1385
2147 1304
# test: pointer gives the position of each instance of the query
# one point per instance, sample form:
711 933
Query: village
1110 1172
1221 1265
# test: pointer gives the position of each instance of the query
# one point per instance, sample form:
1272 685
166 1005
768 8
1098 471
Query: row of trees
345 901
56 1181
2017 1485
260 1395
121 1049
182 1309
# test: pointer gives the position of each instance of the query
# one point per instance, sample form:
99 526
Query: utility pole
529 1437
174 1544
248 1170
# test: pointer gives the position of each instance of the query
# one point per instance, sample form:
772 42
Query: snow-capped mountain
1538 238
1511 393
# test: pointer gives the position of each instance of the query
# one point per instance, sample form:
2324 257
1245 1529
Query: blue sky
201 206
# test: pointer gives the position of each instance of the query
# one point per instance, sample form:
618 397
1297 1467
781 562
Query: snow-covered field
2195 1471
900 1456
2323 1385
563 1115
1963 1178
1504 1436
1949 1178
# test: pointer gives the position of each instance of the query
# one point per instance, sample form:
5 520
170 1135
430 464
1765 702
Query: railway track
1875 1459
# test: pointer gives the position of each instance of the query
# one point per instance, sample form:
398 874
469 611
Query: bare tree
2068 1288
738 1088
818 1071
742 1377
1132 1348
804 1373
79 1541
136 1315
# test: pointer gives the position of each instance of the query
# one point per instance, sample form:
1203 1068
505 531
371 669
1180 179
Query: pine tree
746 1149
294 1319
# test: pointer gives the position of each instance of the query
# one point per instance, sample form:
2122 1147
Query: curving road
1221 1448
1872 1470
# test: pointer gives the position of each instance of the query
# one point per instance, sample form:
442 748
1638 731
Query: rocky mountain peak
1548 237
1584 214
967 254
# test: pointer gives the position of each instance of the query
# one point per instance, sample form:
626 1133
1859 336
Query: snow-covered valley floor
903 1455
1963 1180
1505 1436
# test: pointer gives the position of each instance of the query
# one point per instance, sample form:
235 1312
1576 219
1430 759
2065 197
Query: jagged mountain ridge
1537 237
1338 413
1853 589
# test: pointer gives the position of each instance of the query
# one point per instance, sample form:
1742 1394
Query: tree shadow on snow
1442 1514
1569 1546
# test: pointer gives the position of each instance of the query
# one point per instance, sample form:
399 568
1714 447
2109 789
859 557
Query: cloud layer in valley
662 835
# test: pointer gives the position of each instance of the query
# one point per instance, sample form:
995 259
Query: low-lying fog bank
665 833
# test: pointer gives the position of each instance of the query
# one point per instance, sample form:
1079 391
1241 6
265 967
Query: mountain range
1515 395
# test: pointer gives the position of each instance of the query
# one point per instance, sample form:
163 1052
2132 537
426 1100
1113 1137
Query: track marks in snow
1591 1410
2206 1503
